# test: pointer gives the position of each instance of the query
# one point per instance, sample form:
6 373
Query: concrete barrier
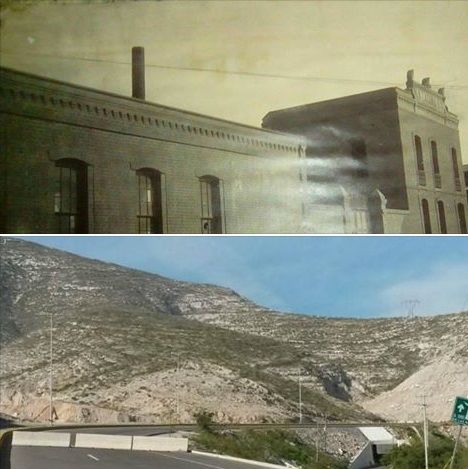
93 440
159 443
22 438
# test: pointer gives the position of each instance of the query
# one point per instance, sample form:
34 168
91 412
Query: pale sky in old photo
365 276
239 60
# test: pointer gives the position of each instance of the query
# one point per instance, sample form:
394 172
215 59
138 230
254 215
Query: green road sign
460 411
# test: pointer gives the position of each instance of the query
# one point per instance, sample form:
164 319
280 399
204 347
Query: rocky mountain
129 345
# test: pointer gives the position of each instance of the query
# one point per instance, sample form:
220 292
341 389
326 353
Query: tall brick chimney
138 72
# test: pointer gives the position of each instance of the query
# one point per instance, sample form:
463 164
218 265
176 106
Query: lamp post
51 362
426 436
3 241
300 397
178 388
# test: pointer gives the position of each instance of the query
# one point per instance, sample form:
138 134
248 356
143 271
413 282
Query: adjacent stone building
399 147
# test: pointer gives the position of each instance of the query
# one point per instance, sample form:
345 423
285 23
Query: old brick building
77 160
400 147
80 160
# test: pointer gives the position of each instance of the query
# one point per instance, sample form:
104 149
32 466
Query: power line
225 72
411 305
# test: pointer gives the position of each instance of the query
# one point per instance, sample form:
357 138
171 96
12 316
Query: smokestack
138 72
426 82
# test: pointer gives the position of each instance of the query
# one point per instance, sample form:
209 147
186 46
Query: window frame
211 205
151 219
71 200
455 169
461 215
426 216
435 165
441 215
419 153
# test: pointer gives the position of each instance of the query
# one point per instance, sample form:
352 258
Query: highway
23 457
135 430
155 429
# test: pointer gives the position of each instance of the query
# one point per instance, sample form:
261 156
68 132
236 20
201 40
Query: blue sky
332 276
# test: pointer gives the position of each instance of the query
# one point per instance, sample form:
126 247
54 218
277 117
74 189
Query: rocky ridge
118 334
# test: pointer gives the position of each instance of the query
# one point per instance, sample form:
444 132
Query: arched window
426 216
435 165
419 160
461 218
150 216
71 196
456 172
211 205
442 221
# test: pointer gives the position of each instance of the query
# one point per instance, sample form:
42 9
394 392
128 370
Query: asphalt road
134 430
25 457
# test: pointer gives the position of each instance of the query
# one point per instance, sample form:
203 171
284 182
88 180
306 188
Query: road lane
121 430
24 457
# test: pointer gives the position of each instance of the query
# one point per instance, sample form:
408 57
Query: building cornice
407 101
33 96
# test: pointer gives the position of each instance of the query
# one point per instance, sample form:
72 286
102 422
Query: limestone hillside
130 345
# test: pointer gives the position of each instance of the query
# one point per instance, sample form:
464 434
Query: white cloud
440 289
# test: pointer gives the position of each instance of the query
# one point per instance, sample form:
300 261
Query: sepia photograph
237 117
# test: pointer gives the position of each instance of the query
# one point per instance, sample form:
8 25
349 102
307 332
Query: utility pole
300 398
452 459
411 306
51 369
177 388
2 333
317 442
325 435
426 436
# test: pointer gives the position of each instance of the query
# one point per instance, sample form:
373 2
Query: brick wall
43 121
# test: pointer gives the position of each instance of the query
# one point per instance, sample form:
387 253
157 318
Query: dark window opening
435 165
71 196
462 218
426 216
442 221
420 160
211 205
149 216
456 172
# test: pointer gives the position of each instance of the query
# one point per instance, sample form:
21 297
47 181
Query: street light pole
300 398
3 333
426 436
51 369
177 394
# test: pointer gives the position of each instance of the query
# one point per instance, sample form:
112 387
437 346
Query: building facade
400 148
77 160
